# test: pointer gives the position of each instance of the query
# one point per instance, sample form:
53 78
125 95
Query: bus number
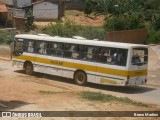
56 62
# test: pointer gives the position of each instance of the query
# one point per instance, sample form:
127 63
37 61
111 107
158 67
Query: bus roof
43 37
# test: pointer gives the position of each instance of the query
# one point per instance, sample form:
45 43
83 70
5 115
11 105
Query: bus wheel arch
80 77
28 67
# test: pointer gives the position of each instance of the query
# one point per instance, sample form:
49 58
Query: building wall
45 11
16 12
61 6
19 23
7 2
138 36
21 3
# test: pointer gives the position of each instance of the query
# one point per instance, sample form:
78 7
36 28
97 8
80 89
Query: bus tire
28 67
80 78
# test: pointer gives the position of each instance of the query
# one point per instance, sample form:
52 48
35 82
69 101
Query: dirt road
12 78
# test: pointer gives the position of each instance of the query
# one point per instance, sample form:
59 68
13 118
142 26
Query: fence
138 36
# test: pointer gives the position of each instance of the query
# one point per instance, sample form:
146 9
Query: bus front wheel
28 68
80 78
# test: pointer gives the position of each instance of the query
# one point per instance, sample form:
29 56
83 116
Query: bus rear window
140 56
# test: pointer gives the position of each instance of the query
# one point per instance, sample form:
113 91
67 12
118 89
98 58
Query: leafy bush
119 23
88 7
6 37
156 23
69 29
154 37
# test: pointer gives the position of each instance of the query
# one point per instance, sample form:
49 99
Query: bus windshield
140 56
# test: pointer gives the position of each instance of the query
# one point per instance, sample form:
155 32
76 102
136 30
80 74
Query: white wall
10 2
23 3
45 11
17 12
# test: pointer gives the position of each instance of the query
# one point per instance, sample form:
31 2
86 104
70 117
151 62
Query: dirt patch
153 65
80 18
77 17
5 51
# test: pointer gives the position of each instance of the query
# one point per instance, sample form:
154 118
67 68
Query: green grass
49 92
97 96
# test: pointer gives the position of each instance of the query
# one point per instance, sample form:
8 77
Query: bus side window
55 49
122 57
82 51
42 48
30 46
48 48
67 50
92 54
75 54
59 50
113 56
102 55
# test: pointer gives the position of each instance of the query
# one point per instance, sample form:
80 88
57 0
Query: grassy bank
97 96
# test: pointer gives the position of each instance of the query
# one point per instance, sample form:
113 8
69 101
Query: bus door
17 53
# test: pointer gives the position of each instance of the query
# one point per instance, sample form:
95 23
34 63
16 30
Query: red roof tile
3 8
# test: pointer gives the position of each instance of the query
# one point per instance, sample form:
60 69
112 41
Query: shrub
119 23
69 29
154 37
6 37
156 23
88 7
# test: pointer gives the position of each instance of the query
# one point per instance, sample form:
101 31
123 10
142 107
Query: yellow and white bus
84 60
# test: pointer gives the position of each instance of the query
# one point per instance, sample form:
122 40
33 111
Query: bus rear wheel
28 68
80 78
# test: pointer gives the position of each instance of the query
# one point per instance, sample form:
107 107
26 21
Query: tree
88 7
29 25
122 22
118 7
152 13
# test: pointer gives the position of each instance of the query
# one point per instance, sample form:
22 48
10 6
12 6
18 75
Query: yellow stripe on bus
91 68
